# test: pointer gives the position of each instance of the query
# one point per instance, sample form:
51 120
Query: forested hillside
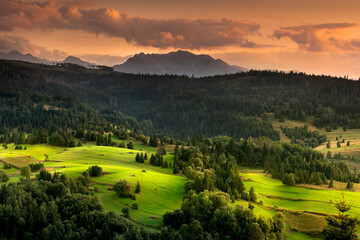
234 105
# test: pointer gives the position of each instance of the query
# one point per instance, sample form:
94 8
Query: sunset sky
321 37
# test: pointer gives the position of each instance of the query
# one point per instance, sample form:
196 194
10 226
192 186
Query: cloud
320 37
10 43
160 33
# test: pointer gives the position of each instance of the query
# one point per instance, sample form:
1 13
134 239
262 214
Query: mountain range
179 63
176 63
15 55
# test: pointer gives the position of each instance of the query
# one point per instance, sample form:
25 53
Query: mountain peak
179 63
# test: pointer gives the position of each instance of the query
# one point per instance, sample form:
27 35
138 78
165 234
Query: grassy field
161 190
351 135
304 206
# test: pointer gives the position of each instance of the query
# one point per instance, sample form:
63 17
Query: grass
304 208
161 190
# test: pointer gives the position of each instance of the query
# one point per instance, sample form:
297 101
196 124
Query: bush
36 166
44 175
134 206
25 171
95 171
7 166
123 188
126 211
350 185
4 177
122 145
130 145
251 206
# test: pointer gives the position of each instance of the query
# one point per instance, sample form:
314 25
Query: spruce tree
252 195
342 226
138 187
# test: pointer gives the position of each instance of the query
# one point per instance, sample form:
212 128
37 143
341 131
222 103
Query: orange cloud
159 33
319 38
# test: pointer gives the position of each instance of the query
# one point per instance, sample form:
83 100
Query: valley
304 206
227 141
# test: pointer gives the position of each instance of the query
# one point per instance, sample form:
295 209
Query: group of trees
207 215
141 157
58 207
158 160
290 163
304 136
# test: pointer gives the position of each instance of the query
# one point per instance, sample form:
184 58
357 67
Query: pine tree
350 185
138 187
342 226
252 195
331 184
176 169
109 140
165 164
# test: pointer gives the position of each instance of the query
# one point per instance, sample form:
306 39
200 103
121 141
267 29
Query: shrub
130 145
134 206
7 166
126 211
36 166
25 171
4 177
95 171
123 188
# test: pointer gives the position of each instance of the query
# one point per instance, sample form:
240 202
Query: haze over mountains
177 63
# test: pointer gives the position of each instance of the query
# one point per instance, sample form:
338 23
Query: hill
178 106
78 61
177 63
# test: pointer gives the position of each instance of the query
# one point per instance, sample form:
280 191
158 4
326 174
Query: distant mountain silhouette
15 55
180 63
78 61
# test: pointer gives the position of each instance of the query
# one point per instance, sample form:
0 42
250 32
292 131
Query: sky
317 36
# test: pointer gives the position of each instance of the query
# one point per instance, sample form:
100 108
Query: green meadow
304 207
161 190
